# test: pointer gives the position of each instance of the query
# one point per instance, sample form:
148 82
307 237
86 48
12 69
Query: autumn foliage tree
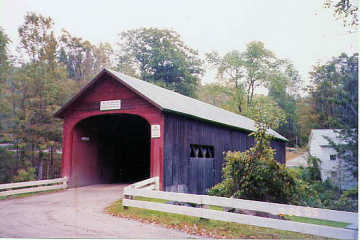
36 82
36 91
83 59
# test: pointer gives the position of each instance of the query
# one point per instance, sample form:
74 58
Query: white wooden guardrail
32 186
136 189
147 184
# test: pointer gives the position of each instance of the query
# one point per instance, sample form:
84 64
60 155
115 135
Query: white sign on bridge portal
110 105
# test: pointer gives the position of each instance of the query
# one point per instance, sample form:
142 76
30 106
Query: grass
164 201
316 221
21 195
198 226
151 199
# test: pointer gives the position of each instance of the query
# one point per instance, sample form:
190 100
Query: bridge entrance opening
110 149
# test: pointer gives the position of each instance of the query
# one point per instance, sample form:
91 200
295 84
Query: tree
335 99
229 68
255 67
347 10
307 118
8 163
77 55
334 91
126 66
215 94
5 66
83 59
266 112
221 96
246 70
103 54
36 92
37 39
161 57
230 72
284 90
4 57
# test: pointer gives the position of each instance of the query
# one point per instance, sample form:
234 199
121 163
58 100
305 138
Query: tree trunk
47 168
33 154
40 166
51 163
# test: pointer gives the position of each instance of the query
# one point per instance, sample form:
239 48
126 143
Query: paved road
298 161
74 213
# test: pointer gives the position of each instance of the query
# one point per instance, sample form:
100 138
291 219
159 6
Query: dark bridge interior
111 149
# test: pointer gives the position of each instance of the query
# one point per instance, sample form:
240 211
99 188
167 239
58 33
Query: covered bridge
122 129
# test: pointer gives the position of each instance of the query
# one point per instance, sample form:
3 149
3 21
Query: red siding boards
86 104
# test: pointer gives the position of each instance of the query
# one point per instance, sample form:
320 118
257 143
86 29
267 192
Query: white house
332 167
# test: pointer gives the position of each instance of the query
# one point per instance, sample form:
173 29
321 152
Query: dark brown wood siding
182 131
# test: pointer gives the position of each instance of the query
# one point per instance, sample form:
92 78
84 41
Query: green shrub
8 164
263 180
312 172
348 201
305 195
25 174
324 194
255 175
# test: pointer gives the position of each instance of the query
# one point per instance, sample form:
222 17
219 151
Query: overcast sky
300 30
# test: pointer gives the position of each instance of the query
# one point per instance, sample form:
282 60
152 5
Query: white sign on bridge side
155 131
110 105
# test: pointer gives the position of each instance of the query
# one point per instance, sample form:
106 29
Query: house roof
170 101
320 137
